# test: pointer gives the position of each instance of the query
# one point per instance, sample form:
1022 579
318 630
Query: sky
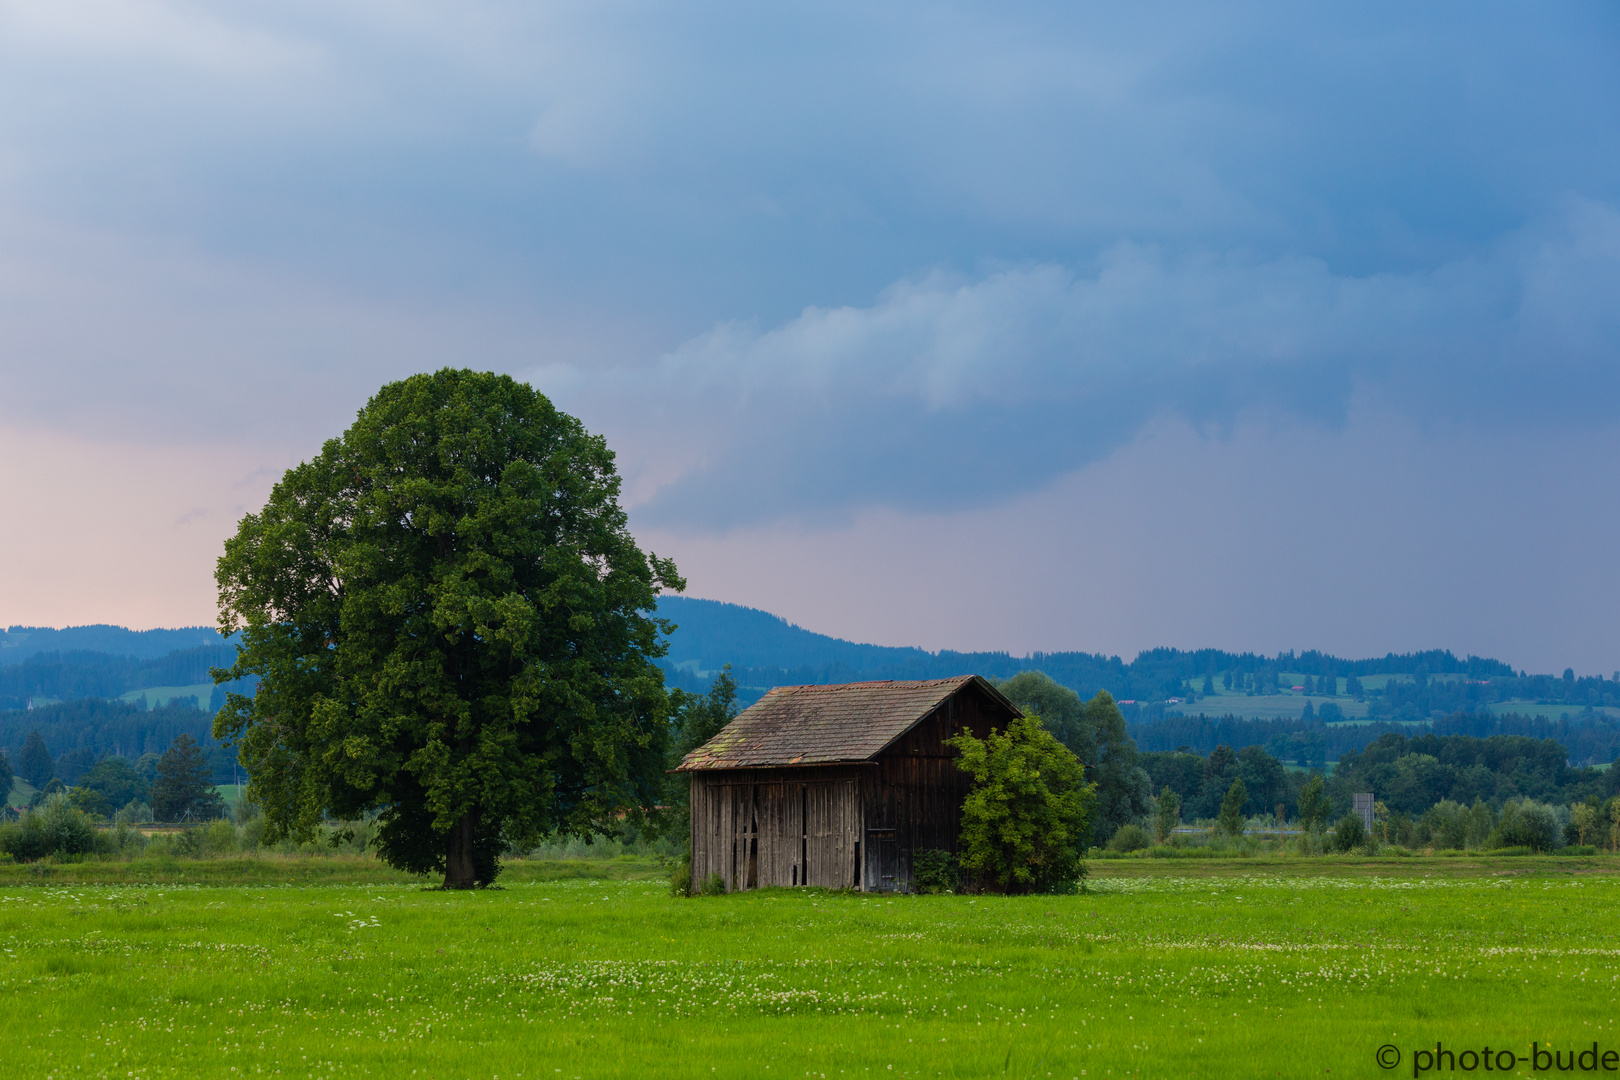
971 326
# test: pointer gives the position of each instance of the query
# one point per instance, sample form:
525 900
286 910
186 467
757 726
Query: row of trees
1409 774
74 735
174 786
1521 823
1587 739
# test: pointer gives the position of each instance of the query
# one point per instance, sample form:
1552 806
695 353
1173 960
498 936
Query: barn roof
825 725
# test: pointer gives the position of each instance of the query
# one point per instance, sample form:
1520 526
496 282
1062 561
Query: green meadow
336 967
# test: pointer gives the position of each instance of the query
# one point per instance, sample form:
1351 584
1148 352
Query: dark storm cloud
950 392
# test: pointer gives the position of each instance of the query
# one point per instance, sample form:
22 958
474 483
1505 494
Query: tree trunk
458 856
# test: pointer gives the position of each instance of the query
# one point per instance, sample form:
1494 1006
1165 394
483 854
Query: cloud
161 33
950 392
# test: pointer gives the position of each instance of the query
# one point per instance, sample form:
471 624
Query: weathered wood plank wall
756 827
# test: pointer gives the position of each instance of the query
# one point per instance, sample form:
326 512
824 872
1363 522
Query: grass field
21 792
339 968
162 695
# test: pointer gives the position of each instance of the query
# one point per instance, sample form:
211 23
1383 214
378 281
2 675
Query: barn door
882 860
831 831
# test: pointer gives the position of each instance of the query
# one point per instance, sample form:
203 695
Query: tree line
175 785
81 733
19 642
1591 739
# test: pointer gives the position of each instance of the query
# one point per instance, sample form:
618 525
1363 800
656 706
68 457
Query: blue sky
971 326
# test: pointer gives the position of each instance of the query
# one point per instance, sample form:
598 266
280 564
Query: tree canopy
1028 817
34 764
446 618
183 789
1094 731
694 720
116 780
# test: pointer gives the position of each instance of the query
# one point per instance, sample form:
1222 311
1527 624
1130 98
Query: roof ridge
826 687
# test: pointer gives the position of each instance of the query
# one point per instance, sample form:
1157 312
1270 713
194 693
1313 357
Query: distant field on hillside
162 695
21 791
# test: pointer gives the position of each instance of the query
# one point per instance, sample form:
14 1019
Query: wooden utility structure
836 786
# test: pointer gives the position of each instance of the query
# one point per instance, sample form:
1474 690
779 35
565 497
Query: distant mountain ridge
766 650
72 677
20 642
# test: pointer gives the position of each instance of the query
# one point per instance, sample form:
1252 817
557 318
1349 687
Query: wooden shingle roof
825 725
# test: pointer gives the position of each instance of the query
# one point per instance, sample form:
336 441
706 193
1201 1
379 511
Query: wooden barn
836 785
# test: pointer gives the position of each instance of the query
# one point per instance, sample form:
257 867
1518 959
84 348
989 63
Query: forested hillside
765 650
80 733
1305 709
64 676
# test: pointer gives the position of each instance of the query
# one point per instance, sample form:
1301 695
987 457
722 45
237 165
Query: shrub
713 885
1350 833
253 832
933 871
680 878
1168 817
123 840
1027 819
1313 804
1129 838
56 827
1527 824
134 813
1231 819
218 838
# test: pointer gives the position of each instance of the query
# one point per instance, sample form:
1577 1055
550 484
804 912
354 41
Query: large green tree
446 618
